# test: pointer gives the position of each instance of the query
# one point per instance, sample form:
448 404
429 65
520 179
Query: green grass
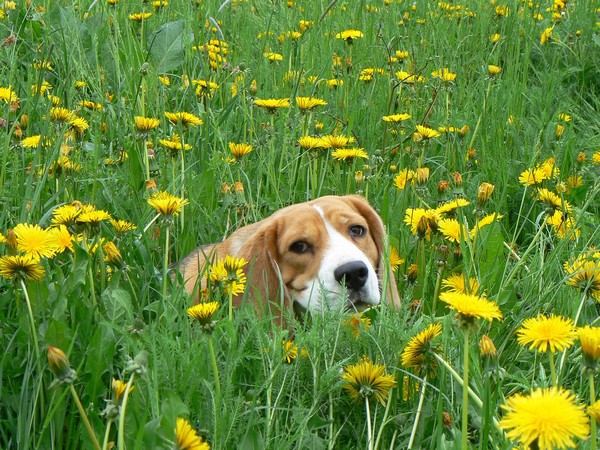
103 318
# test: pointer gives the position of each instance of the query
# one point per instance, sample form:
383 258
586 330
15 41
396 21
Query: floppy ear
377 231
264 285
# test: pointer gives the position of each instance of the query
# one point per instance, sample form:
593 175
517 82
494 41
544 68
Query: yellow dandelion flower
184 118
66 214
64 239
93 216
139 17
174 145
118 388
348 154
552 201
308 103
554 333
312 143
357 323
409 78
548 418
494 70
290 351
8 95
450 207
396 118
424 133
145 124
584 274
61 115
203 312
186 438
594 411
453 230
88 104
21 267
34 142
349 35
122 226
272 56
421 221
457 282
167 204
444 74
563 225
240 150
589 337
366 380
418 351
469 306
272 104
78 124
35 241
337 141
403 177
395 259
546 34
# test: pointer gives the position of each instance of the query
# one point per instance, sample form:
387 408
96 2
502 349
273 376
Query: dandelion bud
144 69
462 132
422 174
393 168
24 121
60 366
118 388
442 186
559 131
359 177
412 274
18 132
487 347
253 88
150 185
457 178
581 158
113 255
238 187
446 420
139 364
484 192
11 241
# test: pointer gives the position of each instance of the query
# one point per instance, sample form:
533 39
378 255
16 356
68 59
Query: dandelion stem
436 292
32 323
230 304
413 432
106 435
213 360
457 377
465 400
553 370
84 417
121 435
166 265
369 430
593 433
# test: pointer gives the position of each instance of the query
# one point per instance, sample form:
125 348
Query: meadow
133 131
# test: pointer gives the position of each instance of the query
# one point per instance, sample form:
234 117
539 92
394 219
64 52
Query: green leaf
117 304
167 45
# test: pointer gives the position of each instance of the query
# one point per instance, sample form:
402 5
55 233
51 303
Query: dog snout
353 274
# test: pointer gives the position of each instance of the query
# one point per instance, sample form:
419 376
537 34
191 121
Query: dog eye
357 231
299 247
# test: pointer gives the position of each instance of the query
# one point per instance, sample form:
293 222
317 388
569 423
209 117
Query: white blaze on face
340 250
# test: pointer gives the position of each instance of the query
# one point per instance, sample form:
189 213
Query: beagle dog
326 253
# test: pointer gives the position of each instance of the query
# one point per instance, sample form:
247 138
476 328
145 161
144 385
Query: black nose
354 274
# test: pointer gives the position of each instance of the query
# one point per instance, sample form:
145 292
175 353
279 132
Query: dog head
312 253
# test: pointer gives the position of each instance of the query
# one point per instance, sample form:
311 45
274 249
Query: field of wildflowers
132 131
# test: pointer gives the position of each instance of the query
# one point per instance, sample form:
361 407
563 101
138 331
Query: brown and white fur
305 256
